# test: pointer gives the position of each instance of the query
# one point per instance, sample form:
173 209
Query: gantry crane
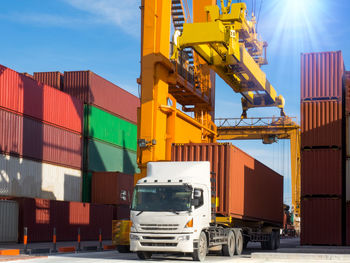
224 42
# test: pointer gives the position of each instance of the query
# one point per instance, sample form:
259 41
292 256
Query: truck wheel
229 249
277 240
272 241
264 245
200 253
144 254
123 249
239 242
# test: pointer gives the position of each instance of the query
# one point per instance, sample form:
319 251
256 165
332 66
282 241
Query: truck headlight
134 237
183 238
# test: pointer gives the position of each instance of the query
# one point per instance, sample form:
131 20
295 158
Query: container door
8 221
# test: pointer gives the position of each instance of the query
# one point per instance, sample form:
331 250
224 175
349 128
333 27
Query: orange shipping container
111 188
246 188
347 92
53 79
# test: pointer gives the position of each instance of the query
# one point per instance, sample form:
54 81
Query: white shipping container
8 221
26 178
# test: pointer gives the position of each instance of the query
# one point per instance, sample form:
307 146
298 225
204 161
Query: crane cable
257 21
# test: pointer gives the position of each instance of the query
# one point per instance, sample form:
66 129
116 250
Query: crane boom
228 42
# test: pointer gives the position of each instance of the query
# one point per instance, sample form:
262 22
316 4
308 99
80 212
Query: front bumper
162 242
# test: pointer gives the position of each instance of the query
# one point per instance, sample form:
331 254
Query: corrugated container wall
22 177
321 221
246 188
321 172
347 92
347 180
322 75
53 79
321 123
8 221
92 89
86 192
348 223
112 188
33 139
104 126
26 96
41 216
101 156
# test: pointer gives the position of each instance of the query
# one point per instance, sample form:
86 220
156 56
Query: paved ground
290 251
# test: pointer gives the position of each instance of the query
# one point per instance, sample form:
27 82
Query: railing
259 121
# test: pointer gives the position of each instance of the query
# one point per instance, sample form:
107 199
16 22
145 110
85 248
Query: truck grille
158 238
162 227
147 244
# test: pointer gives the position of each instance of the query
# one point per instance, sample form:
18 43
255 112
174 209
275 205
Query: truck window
199 197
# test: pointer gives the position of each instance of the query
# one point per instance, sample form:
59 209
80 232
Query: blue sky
104 36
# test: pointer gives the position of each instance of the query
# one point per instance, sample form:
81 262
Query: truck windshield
162 198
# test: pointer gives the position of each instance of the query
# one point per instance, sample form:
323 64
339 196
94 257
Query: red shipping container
26 96
347 224
321 172
321 221
112 188
40 216
347 92
321 123
53 79
93 89
322 75
246 188
33 139
121 212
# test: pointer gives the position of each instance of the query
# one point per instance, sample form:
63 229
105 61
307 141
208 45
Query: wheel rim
231 243
239 243
202 247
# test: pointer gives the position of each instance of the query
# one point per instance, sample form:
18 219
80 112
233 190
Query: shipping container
87 178
246 189
40 216
121 212
321 124
347 225
322 75
104 126
112 188
24 95
53 79
33 139
321 221
101 156
27 178
347 180
347 92
92 89
321 172
347 135
8 221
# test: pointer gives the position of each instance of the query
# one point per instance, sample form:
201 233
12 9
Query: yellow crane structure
224 42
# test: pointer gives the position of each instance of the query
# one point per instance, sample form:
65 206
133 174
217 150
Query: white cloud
123 14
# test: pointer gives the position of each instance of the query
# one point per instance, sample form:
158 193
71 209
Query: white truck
172 211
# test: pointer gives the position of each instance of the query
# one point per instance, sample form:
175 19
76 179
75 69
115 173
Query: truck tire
230 248
200 253
144 254
278 240
123 249
239 242
272 241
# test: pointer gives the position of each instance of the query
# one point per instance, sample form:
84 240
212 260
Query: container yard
175 130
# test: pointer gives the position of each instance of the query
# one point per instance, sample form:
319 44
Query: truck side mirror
197 194
195 202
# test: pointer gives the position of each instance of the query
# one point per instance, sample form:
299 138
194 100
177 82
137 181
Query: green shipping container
105 157
106 127
87 177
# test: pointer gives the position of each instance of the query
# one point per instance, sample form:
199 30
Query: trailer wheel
239 242
277 240
200 253
144 254
229 249
271 244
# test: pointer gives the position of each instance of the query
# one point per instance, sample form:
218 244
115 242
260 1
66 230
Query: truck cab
171 207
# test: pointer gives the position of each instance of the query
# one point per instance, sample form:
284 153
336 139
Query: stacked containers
347 177
40 139
110 130
321 143
53 79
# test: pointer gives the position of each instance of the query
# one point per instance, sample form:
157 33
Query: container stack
53 79
347 175
40 139
322 143
110 125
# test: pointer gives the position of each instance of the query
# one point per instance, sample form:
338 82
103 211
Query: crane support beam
230 46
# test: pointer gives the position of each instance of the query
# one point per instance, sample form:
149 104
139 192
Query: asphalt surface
290 251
